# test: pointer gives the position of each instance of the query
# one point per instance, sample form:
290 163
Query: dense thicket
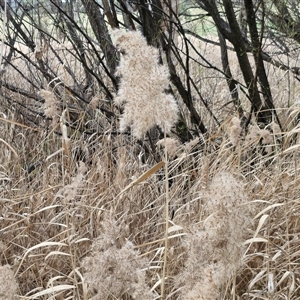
67 46
97 202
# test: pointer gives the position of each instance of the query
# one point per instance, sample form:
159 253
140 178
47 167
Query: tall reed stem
167 220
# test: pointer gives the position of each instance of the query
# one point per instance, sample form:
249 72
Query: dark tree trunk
98 25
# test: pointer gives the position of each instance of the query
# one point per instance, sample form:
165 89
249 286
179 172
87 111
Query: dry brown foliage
72 229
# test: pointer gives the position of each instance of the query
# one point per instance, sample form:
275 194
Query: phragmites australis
173 146
143 86
115 270
51 106
216 248
8 283
264 136
235 131
70 191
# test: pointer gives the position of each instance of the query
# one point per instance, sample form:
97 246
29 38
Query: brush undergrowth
67 231
79 222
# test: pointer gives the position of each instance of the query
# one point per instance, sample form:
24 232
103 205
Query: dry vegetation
78 222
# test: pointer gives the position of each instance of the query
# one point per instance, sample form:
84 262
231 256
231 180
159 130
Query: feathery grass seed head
114 268
8 283
235 131
142 86
215 250
174 147
51 106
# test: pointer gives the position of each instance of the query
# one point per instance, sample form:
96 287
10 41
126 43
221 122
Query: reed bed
99 217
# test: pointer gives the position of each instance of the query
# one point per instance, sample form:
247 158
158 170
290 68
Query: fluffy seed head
51 106
235 131
8 283
215 249
142 87
114 270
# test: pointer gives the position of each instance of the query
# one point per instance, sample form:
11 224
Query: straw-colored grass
84 217
53 215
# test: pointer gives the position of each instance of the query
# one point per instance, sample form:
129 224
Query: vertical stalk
167 220
3 33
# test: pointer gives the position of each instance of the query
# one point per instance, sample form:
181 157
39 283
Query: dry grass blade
268 208
160 240
52 253
43 244
24 219
260 224
54 154
10 148
175 228
19 124
143 177
284 276
23 197
291 149
258 277
83 283
52 290
256 240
